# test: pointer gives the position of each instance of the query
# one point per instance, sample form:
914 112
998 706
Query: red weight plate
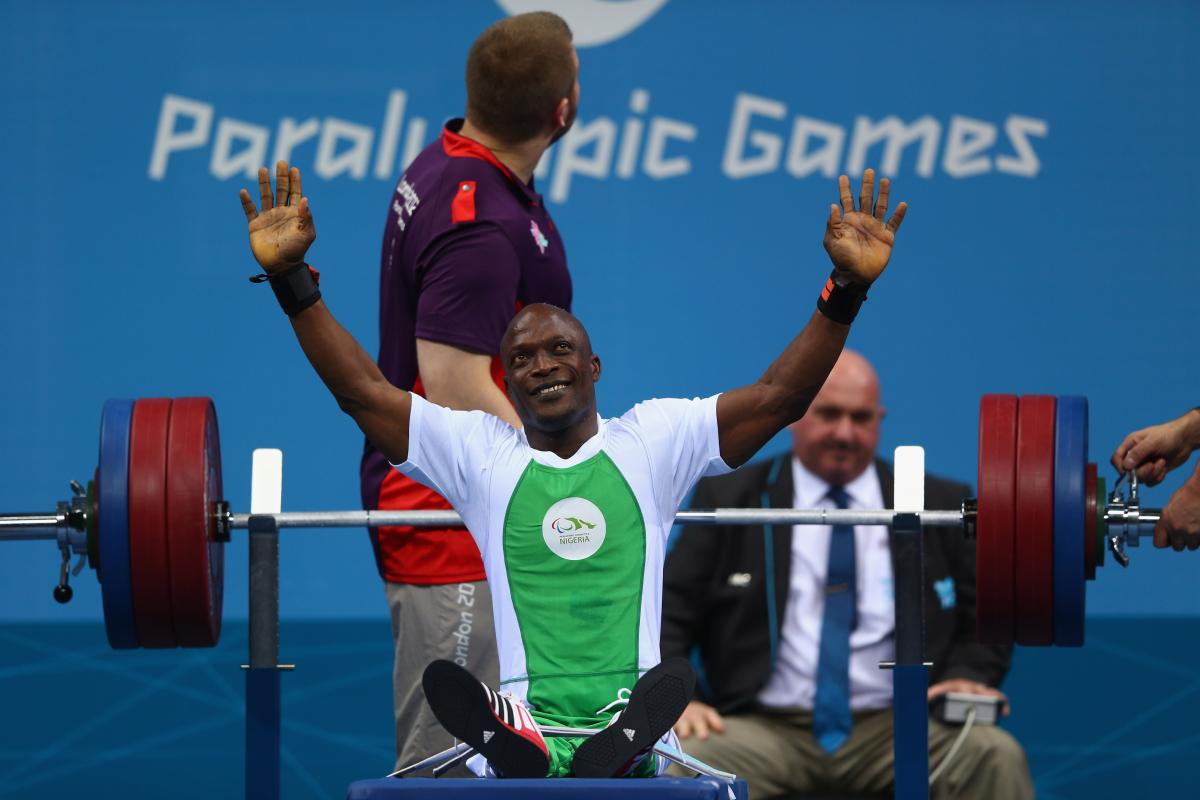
1034 566
148 523
193 485
1089 524
995 518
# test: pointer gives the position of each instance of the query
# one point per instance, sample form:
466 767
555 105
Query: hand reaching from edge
1153 452
1180 523
283 232
859 242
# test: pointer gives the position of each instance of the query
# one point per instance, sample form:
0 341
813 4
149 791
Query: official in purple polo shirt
468 241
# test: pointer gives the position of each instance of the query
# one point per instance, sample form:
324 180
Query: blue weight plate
1070 506
1090 554
116 586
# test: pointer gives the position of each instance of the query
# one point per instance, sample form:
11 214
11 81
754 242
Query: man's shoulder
660 413
438 179
463 423
449 179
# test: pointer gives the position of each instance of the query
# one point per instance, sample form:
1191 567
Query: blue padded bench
546 789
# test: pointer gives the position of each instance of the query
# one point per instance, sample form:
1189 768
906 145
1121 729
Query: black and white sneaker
654 706
497 726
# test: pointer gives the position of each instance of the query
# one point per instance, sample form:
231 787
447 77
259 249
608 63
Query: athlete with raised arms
572 512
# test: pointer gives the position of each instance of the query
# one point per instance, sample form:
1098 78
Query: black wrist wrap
841 302
296 289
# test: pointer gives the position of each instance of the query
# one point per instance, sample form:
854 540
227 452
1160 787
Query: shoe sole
460 705
655 705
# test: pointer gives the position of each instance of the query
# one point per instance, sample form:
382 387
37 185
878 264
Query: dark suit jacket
706 606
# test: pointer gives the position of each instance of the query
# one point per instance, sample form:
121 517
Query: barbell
152 522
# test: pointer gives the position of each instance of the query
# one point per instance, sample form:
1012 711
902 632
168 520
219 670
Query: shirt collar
585 451
455 145
812 492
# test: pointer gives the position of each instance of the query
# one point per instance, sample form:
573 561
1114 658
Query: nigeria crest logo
573 528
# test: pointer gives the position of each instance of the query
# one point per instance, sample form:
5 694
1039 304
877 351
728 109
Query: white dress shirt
793 682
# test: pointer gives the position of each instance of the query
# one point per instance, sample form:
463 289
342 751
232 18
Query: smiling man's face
550 369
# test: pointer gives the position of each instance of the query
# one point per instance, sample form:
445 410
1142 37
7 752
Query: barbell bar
1120 513
153 521
34 527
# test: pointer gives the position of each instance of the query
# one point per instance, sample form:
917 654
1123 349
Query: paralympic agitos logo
565 525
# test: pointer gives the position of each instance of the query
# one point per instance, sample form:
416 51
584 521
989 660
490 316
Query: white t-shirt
574 547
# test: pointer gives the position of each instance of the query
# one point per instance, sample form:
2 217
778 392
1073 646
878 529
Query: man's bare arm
461 379
279 238
353 378
859 242
747 417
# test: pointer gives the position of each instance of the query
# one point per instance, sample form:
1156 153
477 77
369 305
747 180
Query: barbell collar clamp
63 592
970 513
1117 546
1128 522
223 530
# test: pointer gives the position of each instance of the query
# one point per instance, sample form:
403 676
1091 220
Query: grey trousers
776 753
452 622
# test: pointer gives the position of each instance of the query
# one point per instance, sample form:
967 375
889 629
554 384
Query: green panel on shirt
578 609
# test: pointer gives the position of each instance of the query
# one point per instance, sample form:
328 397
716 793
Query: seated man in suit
791 628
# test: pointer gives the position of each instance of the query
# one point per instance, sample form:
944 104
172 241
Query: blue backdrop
1046 151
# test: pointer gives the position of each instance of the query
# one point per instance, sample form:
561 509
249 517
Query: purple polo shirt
467 243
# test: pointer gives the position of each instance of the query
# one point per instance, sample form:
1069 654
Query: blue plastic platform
546 789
